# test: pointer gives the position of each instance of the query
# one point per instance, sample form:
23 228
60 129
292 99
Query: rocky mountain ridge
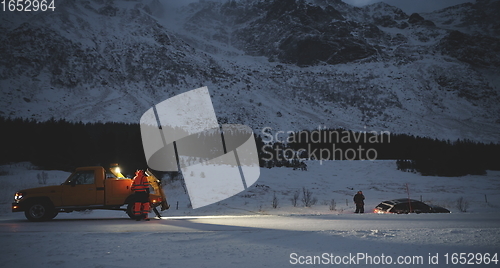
288 65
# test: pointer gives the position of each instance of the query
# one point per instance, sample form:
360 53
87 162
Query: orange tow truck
87 188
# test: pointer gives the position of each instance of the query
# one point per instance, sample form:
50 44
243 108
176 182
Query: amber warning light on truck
182 134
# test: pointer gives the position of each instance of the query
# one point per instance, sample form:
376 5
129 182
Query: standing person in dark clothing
359 200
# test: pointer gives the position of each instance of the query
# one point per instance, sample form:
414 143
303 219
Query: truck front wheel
39 211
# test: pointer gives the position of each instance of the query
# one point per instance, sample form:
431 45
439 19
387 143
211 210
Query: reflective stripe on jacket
140 184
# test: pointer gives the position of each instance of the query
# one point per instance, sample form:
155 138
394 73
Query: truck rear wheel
130 210
40 211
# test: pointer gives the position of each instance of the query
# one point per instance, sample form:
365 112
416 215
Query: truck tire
130 210
40 211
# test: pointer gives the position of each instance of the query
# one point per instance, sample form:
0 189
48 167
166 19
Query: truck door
80 189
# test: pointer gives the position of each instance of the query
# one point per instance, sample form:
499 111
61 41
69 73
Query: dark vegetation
58 144
413 154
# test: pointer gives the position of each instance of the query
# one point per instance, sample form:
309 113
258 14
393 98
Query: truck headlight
18 196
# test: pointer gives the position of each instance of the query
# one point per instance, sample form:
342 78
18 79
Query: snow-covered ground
246 231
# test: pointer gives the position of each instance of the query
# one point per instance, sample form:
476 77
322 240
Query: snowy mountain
472 18
288 65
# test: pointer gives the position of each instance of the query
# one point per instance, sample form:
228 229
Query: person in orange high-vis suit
141 188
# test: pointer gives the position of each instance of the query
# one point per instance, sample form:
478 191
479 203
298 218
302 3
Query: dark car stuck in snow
405 206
